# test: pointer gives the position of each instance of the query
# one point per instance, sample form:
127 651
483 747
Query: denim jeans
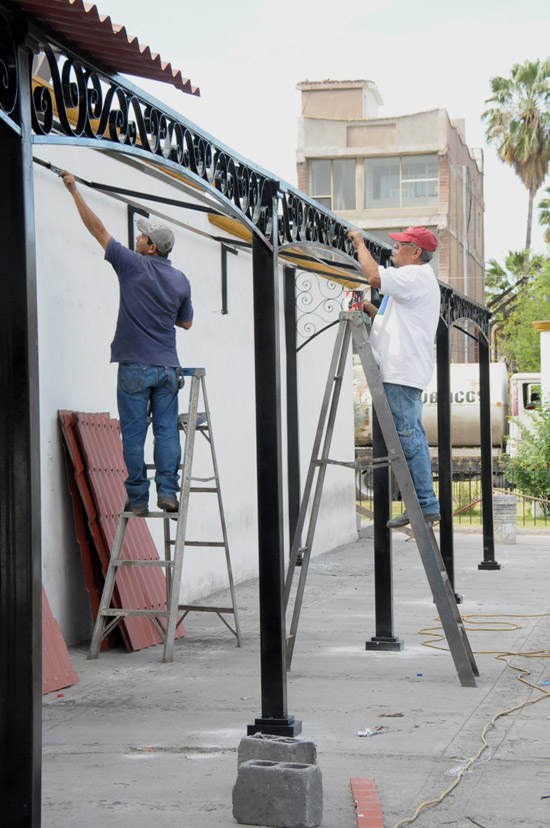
406 407
137 385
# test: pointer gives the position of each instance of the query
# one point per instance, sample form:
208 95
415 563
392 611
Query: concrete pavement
140 743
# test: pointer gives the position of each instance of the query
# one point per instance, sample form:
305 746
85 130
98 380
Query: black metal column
488 561
444 449
293 437
20 565
274 719
383 583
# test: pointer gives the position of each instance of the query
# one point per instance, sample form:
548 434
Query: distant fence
533 507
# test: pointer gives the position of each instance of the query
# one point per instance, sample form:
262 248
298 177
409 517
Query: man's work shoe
398 521
168 504
140 509
403 519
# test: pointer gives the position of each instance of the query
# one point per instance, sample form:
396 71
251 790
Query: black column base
288 726
459 598
380 642
489 565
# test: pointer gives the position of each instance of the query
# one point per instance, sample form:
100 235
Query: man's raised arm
91 221
368 264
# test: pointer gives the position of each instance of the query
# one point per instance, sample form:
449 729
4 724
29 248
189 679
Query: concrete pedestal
505 514
277 749
279 794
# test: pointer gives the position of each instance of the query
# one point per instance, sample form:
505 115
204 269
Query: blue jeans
137 385
406 407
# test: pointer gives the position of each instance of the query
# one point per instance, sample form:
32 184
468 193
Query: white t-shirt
403 331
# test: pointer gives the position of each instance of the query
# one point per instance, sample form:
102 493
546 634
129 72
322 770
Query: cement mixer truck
516 398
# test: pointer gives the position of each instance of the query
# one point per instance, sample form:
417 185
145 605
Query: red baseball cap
421 236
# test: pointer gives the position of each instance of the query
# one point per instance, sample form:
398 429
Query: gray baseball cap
160 234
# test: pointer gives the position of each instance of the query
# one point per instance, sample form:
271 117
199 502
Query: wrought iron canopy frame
81 104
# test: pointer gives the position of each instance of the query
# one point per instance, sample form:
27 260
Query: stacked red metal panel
57 670
94 553
96 453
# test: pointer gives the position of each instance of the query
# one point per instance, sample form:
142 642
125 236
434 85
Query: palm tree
518 122
544 215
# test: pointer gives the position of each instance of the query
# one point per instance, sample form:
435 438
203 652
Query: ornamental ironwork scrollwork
456 307
318 303
303 220
79 101
8 70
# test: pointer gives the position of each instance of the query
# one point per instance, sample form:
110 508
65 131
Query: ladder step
164 515
144 613
183 420
217 544
190 607
129 562
376 463
203 489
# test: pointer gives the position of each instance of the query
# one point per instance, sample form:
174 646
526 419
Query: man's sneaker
403 519
168 504
140 509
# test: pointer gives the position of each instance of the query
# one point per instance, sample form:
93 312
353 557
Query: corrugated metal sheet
57 670
101 487
94 555
106 42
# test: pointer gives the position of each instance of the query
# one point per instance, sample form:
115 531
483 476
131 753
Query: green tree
544 215
518 340
518 123
497 280
500 278
529 467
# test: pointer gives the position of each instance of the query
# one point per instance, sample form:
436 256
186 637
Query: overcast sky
248 55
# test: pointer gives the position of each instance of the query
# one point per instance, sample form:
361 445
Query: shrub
529 468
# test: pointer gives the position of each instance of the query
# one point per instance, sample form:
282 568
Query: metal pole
383 586
224 296
20 563
274 718
444 450
293 436
488 561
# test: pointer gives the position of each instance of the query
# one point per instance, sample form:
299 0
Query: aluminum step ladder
167 620
353 326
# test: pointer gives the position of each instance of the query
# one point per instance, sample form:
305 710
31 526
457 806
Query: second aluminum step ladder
352 326
167 620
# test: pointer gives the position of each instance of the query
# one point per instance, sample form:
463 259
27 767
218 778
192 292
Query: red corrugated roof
106 42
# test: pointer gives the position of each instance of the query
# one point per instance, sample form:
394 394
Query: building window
401 181
382 176
332 183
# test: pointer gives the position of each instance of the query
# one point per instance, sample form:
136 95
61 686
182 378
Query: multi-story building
383 174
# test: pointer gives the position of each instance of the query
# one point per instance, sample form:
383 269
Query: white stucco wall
77 310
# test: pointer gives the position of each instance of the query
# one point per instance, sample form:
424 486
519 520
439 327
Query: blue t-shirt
153 295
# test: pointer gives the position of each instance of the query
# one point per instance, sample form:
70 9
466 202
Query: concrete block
279 794
277 749
505 518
